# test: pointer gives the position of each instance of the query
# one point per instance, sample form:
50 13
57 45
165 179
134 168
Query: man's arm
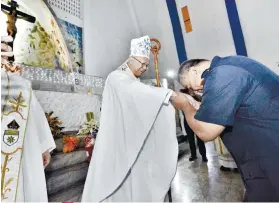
205 131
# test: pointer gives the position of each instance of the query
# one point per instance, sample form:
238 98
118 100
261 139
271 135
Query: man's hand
205 131
193 102
181 100
46 158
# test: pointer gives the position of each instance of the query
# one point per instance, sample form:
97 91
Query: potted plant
54 124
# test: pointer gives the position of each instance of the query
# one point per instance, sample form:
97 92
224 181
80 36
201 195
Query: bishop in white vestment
26 140
135 154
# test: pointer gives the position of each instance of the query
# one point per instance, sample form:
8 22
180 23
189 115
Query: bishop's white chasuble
135 153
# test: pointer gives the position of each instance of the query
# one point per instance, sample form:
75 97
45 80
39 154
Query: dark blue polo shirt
244 94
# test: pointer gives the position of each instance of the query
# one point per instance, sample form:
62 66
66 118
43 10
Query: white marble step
61 160
66 177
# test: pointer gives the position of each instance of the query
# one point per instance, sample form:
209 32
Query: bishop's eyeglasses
142 64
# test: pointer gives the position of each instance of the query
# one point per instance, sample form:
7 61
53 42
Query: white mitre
141 47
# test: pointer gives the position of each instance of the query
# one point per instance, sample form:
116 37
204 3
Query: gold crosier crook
155 51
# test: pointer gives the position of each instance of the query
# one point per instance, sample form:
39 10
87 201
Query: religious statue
12 15
11 22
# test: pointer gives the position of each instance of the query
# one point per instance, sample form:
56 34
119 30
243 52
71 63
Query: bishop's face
138 65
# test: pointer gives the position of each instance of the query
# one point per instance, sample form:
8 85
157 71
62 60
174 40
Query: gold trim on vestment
23 141
17 105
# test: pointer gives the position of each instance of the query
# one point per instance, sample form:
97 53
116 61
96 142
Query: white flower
88 127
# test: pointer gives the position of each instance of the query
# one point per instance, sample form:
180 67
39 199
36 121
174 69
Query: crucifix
155 50
12 15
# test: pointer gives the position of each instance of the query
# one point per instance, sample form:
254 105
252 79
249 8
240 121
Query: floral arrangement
70 143
54 124
91 126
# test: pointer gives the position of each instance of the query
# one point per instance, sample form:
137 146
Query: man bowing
136 151
241 93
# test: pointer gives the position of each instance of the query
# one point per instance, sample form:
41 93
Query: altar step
64 178
61 160
66 173
71 194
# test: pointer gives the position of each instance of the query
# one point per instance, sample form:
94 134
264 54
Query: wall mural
73 38
41 43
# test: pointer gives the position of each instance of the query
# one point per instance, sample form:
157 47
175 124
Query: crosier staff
155 51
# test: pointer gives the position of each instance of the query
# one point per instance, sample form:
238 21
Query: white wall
211 33
154 20
260 26
66 16
109 25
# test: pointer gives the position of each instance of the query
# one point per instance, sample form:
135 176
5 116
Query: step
77 198
70 194
66 177
59 144
60 160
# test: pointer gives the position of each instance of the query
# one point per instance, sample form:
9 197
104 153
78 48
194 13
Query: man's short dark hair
186 65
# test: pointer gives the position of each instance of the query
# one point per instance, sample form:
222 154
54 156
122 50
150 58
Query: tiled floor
199 182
